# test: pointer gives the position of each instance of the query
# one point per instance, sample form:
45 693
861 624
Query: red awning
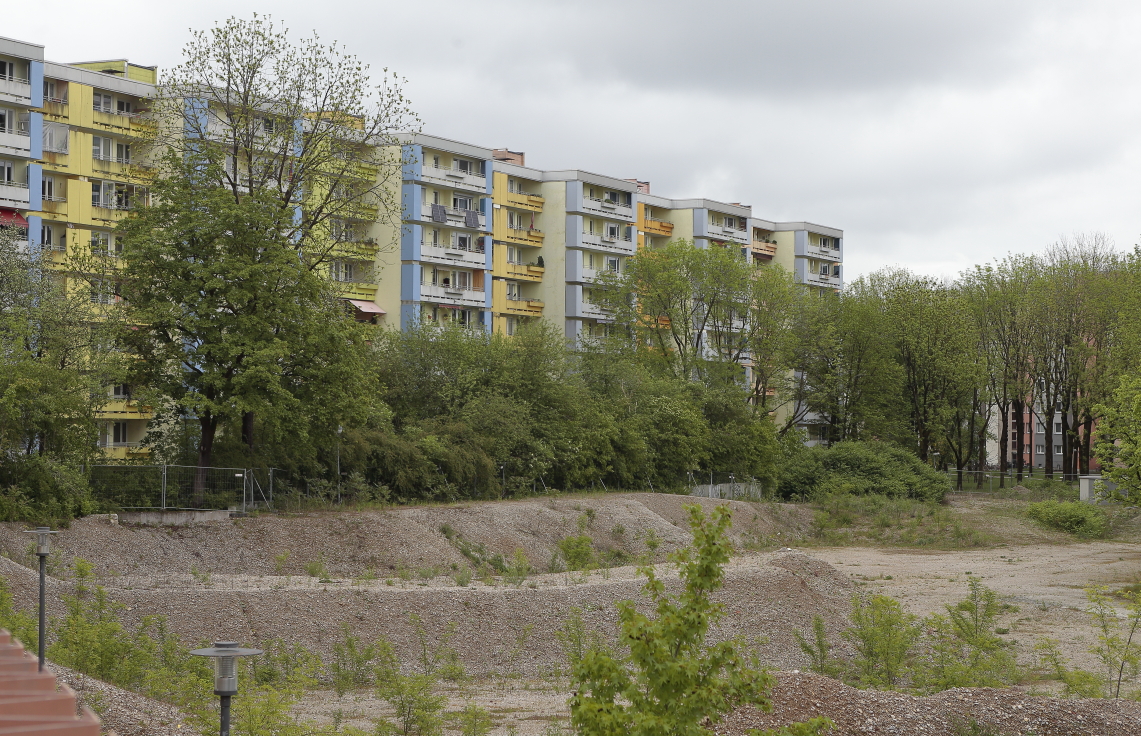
8 218
366 307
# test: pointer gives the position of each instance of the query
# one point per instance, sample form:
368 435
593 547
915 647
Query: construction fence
182 487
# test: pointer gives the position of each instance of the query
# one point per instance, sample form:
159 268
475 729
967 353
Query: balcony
14 194
720 232
120 122
619 244
654 226
519 236
532 202
524 306
589 309
608 208
454 217
15 89
15 142
528 272
468 296
447 254
764 248
455 178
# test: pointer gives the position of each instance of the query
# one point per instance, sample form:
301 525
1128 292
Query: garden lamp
43 549
225 655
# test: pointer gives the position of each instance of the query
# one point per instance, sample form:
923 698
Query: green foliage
672 679
818 650
860 468
352 663
1080 519
519 569
1119 438
1119 642
21 624
884 637
577 552
575 639
436 657
894 521
964 649
472 721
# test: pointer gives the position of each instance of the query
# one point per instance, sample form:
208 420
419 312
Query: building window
1057 427
513 255
120 391
510 326
7 172
1040 449
512 291
123 107
101 102
614 264
1057 449
119 433
461 203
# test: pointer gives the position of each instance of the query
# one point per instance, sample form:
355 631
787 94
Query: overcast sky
935 134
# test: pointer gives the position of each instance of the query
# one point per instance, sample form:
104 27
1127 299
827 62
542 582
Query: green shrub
577 552
1080 519
860 468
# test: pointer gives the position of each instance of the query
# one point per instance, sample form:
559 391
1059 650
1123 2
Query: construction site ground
303 577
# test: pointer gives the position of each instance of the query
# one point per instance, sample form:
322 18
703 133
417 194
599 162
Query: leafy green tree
884 636
964 649
672 680
818 650
57 363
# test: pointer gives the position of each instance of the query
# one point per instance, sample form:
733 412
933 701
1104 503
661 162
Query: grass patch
1074 517
877 519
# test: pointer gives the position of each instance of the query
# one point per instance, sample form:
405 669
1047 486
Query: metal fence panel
182 487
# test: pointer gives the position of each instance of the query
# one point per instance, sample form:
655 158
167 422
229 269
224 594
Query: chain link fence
182 487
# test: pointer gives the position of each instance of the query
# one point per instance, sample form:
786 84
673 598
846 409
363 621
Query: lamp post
225 655
43 548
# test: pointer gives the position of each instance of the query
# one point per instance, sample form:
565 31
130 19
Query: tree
270 157
57 363
672 680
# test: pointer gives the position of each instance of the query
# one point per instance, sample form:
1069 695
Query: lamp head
225 655
43 539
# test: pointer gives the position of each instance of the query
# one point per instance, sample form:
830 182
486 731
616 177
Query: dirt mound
349 543
799 697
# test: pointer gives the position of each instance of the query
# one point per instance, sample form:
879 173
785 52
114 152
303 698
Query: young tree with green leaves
673 681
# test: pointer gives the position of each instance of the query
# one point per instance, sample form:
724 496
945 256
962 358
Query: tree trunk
1084 447
1020 437
1067 447
209 427
1003 445
248 431
982 455
1049 446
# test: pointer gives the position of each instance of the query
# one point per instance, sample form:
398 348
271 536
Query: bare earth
222 579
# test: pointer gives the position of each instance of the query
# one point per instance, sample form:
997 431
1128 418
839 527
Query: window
1040 449
47 188
267 126
47 235
613 264
342 270
55 91
510 185
514 221
461 241
101 147
55 137
511 325
120 391
123 153
825 243
461 203
513 255
591 261
612 232
513 291
1058 427
435 237
119 433
7 70
1057 449
7 121
100 292
436 162
464 166
101 102
103 243
123 107
824 269
836 270
6 172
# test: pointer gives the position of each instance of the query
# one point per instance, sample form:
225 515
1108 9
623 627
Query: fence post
245 486
164 487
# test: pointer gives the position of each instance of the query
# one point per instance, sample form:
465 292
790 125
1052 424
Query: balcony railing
453 170
15 130
13 78
13 183
56 100
112 159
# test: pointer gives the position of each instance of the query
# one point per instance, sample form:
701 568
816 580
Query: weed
462 576
316 568
1077 518
618 530
426 573
201 577
279 561
472 721
437 660
476 553
883 635
577 552
519 569
403 572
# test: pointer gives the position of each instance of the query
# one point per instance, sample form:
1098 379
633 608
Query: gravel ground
1008 711
123 712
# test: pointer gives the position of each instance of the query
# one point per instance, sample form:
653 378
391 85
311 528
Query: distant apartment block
485 241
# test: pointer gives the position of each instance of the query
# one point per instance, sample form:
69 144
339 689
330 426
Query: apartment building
68 175
484 240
